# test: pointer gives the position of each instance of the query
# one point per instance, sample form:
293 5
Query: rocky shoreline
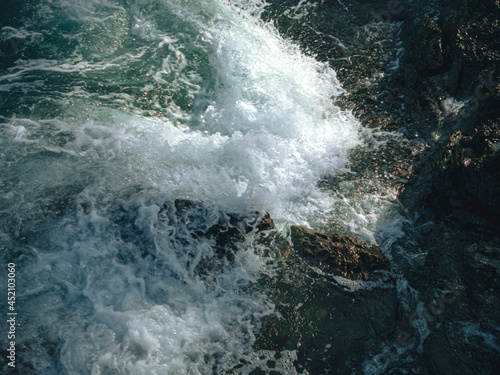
428 71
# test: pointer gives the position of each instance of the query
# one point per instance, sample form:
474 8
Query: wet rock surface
424 43
338 254
456 194
427 71
466 178
332 322
461 90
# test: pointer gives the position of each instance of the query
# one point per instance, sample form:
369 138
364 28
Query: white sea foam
219 110
264 133
473 335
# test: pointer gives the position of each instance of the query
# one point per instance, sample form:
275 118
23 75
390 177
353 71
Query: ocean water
141 142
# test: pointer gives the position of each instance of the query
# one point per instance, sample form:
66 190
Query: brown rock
337 253
266 223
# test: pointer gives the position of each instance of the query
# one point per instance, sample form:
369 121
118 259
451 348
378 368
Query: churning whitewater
140 144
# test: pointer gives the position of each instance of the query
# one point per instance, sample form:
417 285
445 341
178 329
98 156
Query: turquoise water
135 136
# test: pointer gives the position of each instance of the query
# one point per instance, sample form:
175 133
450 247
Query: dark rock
462 299
449 257
482 266
466 175
446 344
474 48
337 253
424 42
324 321
451 50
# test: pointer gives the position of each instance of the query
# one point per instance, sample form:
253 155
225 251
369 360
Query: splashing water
141 141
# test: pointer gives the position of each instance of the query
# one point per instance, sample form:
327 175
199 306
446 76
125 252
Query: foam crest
256 130
267 118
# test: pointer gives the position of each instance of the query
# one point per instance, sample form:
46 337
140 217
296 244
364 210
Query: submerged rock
204 238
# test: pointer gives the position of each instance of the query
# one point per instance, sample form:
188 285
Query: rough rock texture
326 318
337 253
266 223
435 80
424 43
456 188
466 175
452 55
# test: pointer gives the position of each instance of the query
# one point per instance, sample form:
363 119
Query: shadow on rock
335 302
